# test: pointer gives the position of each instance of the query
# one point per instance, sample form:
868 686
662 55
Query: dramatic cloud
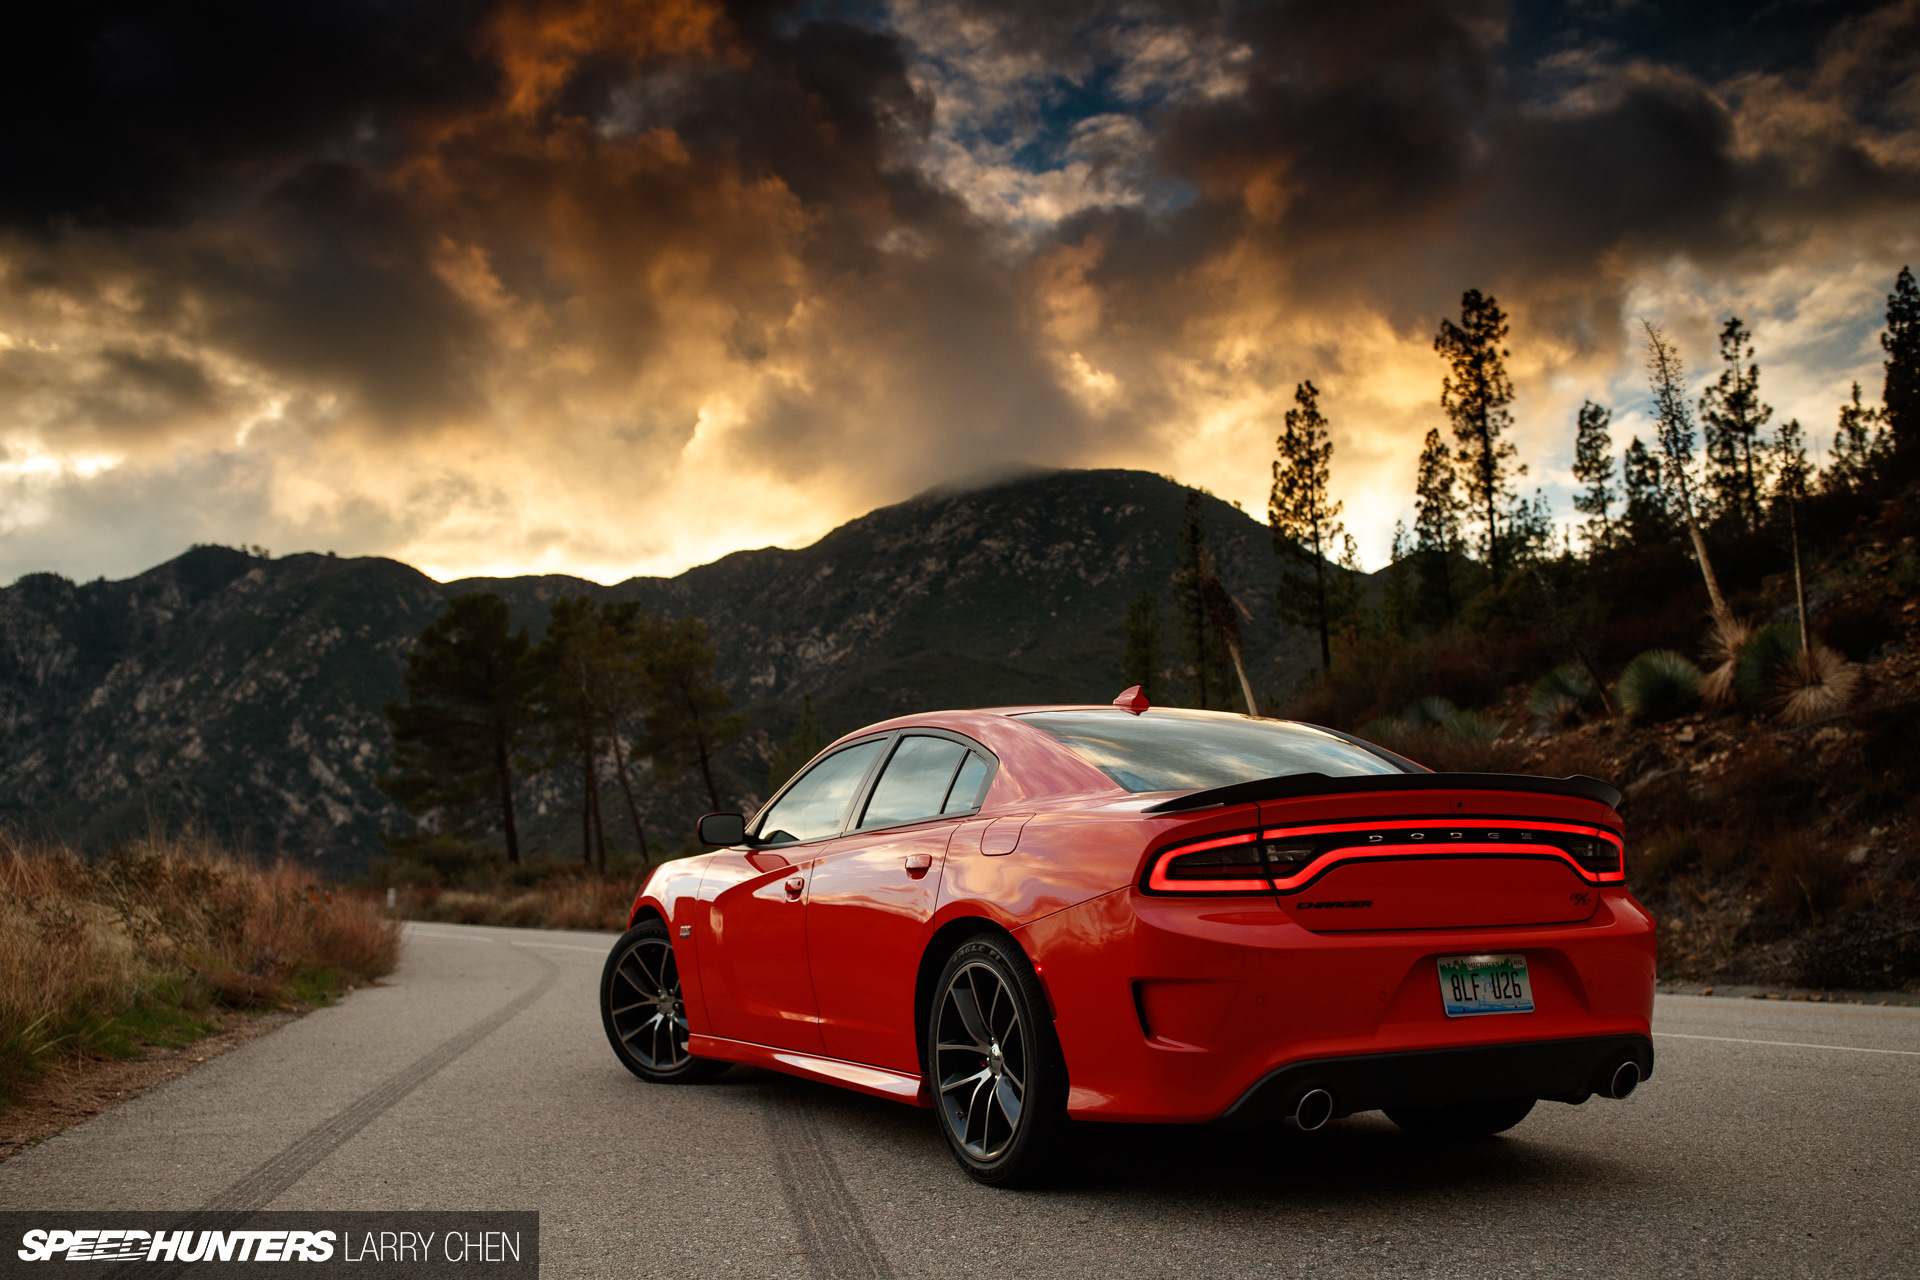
615 286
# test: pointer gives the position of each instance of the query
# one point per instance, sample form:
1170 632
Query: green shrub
1658 685
1561 695
1762 661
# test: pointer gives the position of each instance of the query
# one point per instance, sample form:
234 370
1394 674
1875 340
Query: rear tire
643 1012
994 1066
1462 1119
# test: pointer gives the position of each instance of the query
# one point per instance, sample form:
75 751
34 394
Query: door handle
796 885
918 864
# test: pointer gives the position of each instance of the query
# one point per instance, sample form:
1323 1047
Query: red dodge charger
1017 916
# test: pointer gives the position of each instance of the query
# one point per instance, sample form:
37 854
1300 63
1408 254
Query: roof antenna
1134 700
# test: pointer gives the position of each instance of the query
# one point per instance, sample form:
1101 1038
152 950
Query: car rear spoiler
1319 784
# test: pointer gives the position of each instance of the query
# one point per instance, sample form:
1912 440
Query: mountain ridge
243 694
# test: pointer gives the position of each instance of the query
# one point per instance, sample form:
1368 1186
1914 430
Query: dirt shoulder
76 1090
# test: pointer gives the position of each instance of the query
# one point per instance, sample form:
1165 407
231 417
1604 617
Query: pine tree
570 658
688 718
1901 396
801 746
1529 530
1593 468
1645 518
1397 605
1140 662
1475 395
1733 417
1436 531
1668 380
1305 519
1859 446
1790 490
1205 663
458 737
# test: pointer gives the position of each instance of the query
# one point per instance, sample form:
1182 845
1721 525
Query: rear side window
1175 750
816 805
969 788
926 777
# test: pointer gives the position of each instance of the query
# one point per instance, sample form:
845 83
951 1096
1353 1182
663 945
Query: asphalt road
1774 1140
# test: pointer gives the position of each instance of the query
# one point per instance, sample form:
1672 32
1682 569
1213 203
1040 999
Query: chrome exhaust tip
1314 1109
1626 1078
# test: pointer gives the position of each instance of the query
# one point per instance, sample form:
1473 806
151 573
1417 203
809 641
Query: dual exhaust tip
1315 1107
1625 1079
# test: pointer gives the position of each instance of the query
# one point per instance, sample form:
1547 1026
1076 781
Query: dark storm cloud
134 111
584 247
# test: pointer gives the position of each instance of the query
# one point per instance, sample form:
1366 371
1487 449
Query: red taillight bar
1159 882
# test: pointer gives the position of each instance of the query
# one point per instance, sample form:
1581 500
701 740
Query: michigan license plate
1473 985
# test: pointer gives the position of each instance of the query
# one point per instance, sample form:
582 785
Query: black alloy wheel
645 1016
1462 1119
1000 1083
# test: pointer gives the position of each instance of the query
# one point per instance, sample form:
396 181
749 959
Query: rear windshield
1173 750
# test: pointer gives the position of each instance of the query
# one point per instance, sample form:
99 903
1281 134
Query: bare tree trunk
1326 645
1566 634
706 773
1246 686
586 809
1799 585
1718 602
503 766
599 826
626 789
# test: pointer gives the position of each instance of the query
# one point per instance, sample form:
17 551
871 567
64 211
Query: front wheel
645 1016
1462 1119
1000 1081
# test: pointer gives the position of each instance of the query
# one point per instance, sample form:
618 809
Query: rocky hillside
244 693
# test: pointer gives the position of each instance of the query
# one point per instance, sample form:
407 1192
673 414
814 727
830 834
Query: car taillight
1602 857
1226 864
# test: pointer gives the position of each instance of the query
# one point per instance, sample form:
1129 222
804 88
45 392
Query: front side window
1175 750
916 781
815 805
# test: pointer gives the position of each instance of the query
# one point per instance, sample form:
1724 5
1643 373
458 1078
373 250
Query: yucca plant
1814 685
1430 712
1560 696
1724 641
1474 726
1658 685
1762 661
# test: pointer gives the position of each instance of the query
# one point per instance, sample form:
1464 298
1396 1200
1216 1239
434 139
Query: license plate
1473 985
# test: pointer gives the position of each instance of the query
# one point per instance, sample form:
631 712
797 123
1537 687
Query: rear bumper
1563 1070
1173 1011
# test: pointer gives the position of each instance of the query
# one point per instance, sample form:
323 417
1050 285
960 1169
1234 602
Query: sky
612 287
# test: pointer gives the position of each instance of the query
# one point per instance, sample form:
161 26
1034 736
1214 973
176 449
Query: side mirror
723 829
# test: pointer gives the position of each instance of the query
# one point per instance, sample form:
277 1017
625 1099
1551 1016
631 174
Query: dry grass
1816 686
1724 641
584 903
101 957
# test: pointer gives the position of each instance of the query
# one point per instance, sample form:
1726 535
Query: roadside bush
571 901
1561 696
96 956
1658 685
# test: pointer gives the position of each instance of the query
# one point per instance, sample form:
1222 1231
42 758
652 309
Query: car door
872 895
754 935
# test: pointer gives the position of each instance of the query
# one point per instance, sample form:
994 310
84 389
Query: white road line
448 937
560 946
1790 1044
